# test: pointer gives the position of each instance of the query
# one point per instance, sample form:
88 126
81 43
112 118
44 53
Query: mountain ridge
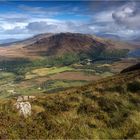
49 44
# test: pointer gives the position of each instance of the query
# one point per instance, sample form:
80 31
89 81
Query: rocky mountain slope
132 68
61 43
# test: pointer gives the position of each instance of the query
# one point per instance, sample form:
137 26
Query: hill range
57 44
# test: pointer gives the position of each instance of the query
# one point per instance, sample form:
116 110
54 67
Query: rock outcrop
23 105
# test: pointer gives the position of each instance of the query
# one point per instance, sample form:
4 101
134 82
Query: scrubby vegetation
20 66
106 109
14 65
102 53
122 53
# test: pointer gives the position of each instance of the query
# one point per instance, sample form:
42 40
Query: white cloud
40 27
105 16
128 16
50 11
123 21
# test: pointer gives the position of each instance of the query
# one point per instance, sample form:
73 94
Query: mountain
7 41
135 41
134 53
26 41
110 36
61 43
58 44
137 38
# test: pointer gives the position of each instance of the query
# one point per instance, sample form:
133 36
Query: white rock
24 108
25 98
31 97
19 99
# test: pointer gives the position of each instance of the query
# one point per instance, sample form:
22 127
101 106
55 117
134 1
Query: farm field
41 72
44 80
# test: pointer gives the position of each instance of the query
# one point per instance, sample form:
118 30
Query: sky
22 19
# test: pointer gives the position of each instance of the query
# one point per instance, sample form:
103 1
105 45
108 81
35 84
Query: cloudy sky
22 19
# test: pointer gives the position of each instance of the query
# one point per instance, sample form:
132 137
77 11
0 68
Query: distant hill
110 36
24 42
58 44
5 42
134 53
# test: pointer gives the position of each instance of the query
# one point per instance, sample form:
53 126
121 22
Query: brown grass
74 76
96 111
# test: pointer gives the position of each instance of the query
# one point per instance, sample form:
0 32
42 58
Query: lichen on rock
24 106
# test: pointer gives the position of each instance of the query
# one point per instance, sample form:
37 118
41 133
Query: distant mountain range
109 36
134 53
10 40
134 40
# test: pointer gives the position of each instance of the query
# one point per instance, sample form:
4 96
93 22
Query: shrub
87 109
117 88
19 78
134 86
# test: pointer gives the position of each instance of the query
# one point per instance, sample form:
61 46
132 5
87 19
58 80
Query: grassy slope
108 108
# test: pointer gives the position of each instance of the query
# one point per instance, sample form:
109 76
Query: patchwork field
46 72
44 80
40 80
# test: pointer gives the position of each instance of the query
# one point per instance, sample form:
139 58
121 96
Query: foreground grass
107 109
59 85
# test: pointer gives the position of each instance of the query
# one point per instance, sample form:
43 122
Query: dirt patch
120 65
74 76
